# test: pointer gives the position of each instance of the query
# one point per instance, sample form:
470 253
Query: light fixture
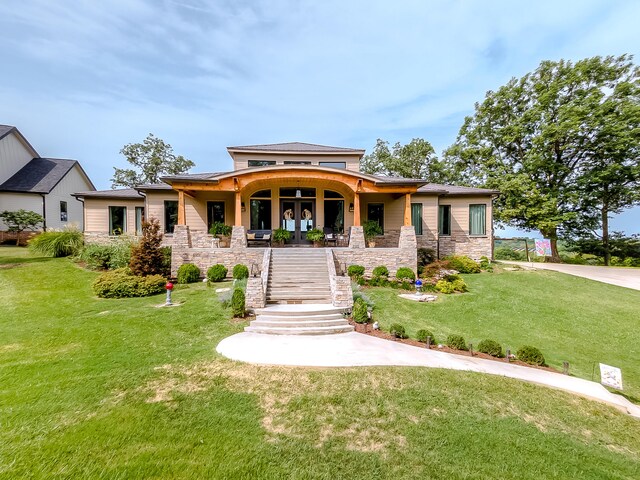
351 207
298 193
255 270
242 207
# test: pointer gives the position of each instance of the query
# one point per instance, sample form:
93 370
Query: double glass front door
297 216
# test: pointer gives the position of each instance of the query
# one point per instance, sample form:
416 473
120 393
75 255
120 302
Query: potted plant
280 236
221 231
316 236
371 229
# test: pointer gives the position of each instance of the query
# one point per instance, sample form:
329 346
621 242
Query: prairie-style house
298 187
43 185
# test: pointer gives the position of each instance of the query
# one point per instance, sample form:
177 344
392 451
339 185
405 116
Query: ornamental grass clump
240 271
491 347
530 355
188 273
456 342
238 303
360 312
61 243
217 273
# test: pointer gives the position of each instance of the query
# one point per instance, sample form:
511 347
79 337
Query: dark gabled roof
122 193
455 190
7 129
40 175
294 147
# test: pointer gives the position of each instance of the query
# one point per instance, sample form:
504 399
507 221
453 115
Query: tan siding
17 201
155 205
393 209
460 212
429 214
13 156
96 214
73 181
241 160
196 208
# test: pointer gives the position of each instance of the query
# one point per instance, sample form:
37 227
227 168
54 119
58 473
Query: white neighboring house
43 185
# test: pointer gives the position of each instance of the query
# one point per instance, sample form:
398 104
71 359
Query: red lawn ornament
169 286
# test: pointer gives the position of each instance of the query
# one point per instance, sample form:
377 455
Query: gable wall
73 181
16 201
13 156
241 160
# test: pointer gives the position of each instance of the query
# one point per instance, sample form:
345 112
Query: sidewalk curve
356 349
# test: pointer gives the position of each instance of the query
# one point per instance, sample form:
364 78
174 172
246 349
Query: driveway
356 349
623 277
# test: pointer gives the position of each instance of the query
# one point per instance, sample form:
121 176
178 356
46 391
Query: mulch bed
368 330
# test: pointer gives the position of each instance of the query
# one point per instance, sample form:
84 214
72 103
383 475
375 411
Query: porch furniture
259 238
330 238
342 240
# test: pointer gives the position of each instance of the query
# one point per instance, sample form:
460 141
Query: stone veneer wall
473 247
404 255
183 252
256 293
341 292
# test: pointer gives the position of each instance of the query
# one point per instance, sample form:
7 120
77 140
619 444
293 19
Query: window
139 220
416 217
296 162
260 214
375 213
170 215
215 213
261 163
333 164
333 211
444 220
117 220
63 211
298 192
477 219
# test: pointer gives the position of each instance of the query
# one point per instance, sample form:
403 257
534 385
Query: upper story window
261 163
477 219
296 162
63 211
444 220
333 164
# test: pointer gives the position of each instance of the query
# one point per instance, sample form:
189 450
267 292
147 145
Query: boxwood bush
188 273
456 342
240 271
355 270
380 271
397 330
120 283
217 273
530 355
463 264
359 312
405 273
491 347
422 335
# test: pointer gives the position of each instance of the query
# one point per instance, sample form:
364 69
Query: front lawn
568 318
94 388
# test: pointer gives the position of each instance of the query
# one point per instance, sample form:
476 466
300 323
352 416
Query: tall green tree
150 159
417 159
543 139
20 220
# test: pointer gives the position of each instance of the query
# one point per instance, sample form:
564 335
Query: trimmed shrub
397 330
217 273
57 244
426 256
449 287
380 271
456 342
405 273
459 285
146 257
355 271
530 355
359 312
444 286
490 347
120 283
422 335
240 271
357 293
464 264
188 273
378 282
106 257
238 303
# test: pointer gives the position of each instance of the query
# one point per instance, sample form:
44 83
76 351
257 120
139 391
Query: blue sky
81 79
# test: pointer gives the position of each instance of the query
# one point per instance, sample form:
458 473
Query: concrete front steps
298 275
301 319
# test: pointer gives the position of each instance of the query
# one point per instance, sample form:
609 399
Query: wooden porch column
238 219
407 210
356 209
182 217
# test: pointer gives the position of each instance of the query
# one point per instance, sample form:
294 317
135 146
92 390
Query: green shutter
477 219
416 217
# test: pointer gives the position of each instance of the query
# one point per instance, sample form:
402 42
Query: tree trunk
552 235
606 246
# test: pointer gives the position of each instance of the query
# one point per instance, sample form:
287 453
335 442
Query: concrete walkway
356 349
622 277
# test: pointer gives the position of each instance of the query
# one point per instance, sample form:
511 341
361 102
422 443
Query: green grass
93 388
568 318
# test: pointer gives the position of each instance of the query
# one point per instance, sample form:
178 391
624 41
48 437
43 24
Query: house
298 187
43 185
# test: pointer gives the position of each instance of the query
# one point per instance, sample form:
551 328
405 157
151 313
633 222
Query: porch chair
330 238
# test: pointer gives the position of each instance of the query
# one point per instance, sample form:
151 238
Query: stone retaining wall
473 247
341 292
